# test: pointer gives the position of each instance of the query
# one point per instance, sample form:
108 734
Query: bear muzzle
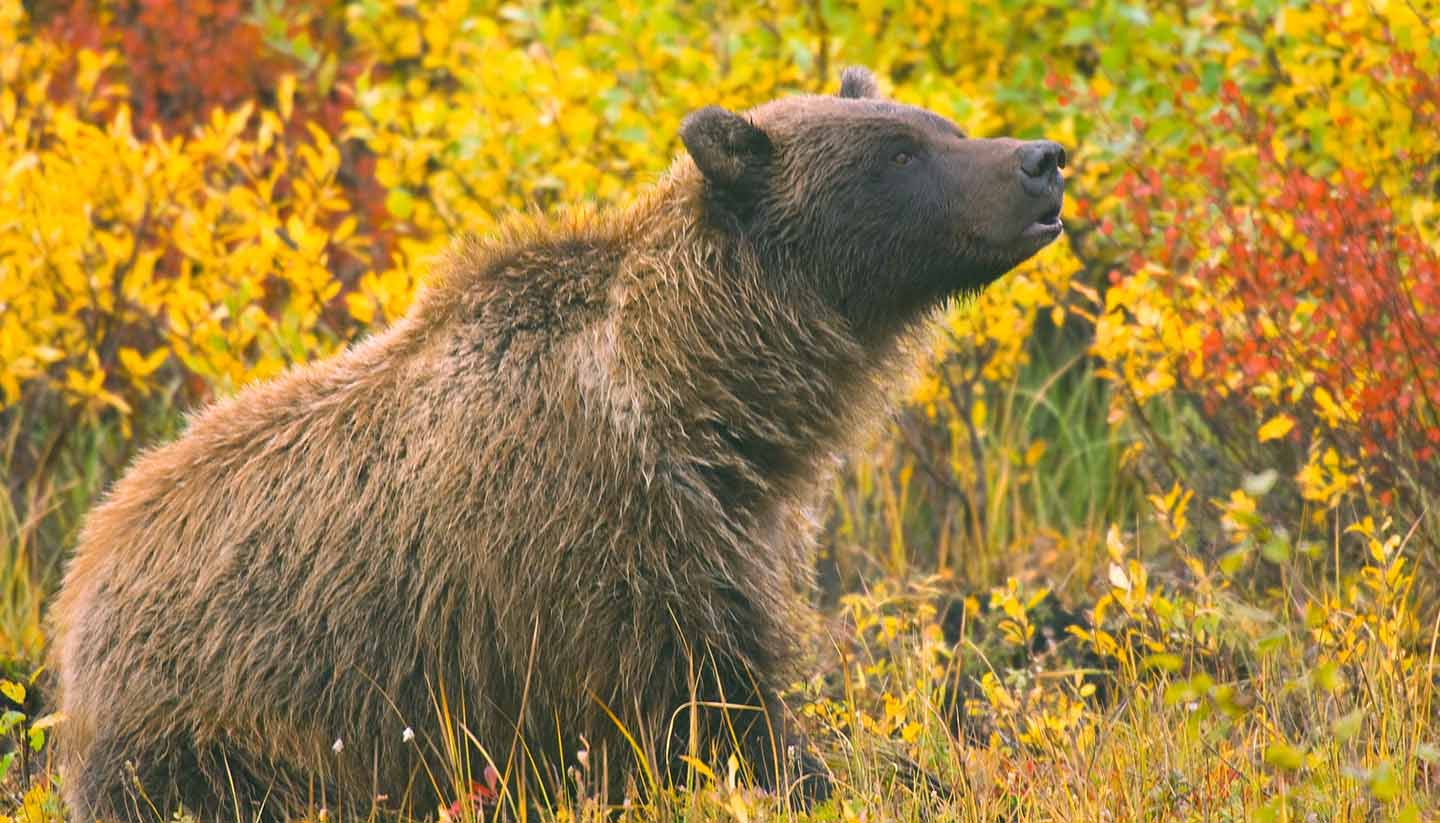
1040 162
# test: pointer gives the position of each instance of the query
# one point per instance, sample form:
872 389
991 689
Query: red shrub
182 58
1339 295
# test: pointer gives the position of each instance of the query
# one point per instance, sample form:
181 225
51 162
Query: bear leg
129 780
768 738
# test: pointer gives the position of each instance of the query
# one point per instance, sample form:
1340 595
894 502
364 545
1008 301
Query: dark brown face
888 208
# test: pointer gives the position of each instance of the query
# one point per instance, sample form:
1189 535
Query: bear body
569 501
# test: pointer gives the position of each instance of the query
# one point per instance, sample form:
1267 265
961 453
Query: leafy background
1154 534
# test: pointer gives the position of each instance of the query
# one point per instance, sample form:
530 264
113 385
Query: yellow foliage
246 222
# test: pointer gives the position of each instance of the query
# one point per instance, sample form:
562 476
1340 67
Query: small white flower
339 745
407 735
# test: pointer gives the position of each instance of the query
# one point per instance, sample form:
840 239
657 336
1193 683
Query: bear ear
727 147
857 82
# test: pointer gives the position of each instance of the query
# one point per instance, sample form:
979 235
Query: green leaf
1076 35
1348 725
400 203
1186 691
1228 699
1327 676
1165 662
1357 97
1251 41
1271 642
1384 784
1276 549
1232 561
1284 756
1135 14
9 720
302 48
1210 75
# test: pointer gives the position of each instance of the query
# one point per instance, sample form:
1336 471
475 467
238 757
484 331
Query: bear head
885 209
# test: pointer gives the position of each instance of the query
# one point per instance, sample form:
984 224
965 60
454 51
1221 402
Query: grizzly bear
558 520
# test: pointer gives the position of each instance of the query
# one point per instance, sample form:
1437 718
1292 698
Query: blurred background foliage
1188 459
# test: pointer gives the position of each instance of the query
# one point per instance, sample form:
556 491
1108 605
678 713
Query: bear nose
1039 158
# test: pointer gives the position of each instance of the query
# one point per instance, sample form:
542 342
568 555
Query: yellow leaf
140 366
1034 453
285 96
361 307
699 766
911 732
1276 427
1332 411
46 721
1114 544
13 690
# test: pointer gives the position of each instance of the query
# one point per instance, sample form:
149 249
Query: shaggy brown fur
579 478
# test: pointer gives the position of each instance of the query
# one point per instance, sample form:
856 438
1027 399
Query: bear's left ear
857 82
727 147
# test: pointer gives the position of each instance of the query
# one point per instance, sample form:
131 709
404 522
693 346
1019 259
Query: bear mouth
1048 225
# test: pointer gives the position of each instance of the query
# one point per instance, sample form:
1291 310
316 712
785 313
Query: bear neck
763 384
737 380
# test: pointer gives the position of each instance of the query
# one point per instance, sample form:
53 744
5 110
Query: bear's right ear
857 82
727 147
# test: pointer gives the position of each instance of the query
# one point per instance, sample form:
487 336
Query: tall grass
1043 476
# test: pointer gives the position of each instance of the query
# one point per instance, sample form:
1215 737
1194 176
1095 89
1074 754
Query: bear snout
1040 164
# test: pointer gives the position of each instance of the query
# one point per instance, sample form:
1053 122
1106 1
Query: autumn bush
1154 533
1286 294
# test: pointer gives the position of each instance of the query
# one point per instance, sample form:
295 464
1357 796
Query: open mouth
1046 225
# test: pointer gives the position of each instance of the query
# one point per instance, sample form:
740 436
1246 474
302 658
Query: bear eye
902 158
